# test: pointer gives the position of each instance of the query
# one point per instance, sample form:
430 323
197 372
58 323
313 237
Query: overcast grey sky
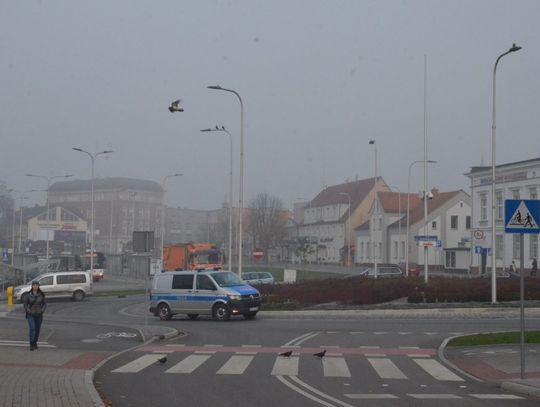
319 79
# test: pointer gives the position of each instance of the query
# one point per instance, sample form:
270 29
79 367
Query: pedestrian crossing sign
521 216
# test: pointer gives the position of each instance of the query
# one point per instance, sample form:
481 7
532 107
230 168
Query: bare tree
267 220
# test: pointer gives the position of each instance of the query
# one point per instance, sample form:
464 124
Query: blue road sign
424 238
478 249
521 216
5 256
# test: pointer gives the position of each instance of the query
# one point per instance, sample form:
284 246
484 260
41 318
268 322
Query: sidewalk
500 364
51 376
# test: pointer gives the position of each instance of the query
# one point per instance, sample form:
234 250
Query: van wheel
250 315
164 312
220 312
78 295
193 317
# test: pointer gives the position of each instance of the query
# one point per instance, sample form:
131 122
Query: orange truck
192 256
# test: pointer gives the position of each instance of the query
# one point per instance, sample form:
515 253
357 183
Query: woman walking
34 305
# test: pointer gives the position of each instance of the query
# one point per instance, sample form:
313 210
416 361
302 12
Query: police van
216 293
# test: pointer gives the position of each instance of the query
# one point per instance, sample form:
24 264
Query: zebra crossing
385 363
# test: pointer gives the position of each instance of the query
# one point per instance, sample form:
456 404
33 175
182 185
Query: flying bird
162 360
286 354
174 107
320 354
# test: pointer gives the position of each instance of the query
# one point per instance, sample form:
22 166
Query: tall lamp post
48 179
408 211
165 178
222 129
348 231
241 197
92 159
374 246
514 48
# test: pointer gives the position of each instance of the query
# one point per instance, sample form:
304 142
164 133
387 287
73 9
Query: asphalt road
369 362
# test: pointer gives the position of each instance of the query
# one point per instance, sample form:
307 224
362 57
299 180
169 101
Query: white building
329 220
448 220
518 180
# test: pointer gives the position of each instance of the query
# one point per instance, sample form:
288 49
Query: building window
396 254
533 194
380 224
515 246
468 222
402 250
368 250
483 206
533 246
499 245
515 194
362 250
68 216
434 225
453 222
451 259
379 247
500 205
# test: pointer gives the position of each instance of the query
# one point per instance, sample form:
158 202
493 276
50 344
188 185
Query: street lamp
92 159
348 231
222 129
241 198
372 142
163 214
408 211
49 179
514 48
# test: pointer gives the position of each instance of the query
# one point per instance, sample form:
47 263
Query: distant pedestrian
534 268
34 305
513 267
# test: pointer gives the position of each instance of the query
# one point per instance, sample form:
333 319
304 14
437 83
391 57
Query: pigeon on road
162 360
286 354
320 354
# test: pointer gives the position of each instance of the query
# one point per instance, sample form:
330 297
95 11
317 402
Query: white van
62 284
217 293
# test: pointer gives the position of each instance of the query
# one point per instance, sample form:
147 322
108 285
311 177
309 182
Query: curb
440 354
522 388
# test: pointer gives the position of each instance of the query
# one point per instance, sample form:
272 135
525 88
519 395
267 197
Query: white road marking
435 396
335 367
25 343
189 364
438 371
318 392
386 369
237 364
496 396
139 364
302 392
367 396
286 366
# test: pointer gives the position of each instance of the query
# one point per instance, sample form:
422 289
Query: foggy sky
319 79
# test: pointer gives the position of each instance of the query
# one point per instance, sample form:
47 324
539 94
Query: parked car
382 272
501 274
414 269
258 277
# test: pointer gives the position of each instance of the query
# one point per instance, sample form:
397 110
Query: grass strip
499 338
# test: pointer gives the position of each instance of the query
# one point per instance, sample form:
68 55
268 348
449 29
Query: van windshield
226 279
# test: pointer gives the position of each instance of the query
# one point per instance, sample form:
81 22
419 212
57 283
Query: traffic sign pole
521 306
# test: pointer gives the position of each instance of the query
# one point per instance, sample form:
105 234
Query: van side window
70 279
182 282
46 280
204 283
